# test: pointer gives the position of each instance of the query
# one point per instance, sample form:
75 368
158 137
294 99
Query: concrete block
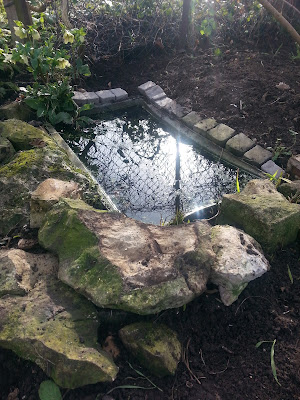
106 96
204 126
257 155
220 134
239 144
270 168
155 93
191 119
79 98
91 98
120 94
146 86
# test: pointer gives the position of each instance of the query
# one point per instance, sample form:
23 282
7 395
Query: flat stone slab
205 125
44 321
220 134
191 119
155 93
146 86
106 96
155 346
257 155
263 213
120 94
239 260
239 144
271 168
118 262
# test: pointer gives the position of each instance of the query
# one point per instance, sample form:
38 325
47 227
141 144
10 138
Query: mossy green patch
21 163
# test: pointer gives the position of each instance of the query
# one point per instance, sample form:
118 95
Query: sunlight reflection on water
135 161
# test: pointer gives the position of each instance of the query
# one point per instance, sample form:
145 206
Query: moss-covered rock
16 110
28 168
24 136
155 346
6 150
52 325
263 213
121 263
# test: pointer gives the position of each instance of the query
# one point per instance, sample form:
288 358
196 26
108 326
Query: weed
297 55
237 181
273 366
290 274
49 391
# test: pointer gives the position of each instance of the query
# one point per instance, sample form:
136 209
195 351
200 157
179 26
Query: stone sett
293 166
91 98
257 155
120 94
155 93
204 126
79 98
220 134
270 168
191 119
106 96
164 103
239 144
146 86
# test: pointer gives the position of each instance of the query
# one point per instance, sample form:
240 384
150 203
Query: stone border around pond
221 140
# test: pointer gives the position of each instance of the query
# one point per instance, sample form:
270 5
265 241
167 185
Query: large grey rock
6 150
16 109
263 213
118 262
293 166
239 260
38 158
46 195
50 324
155 346
290 190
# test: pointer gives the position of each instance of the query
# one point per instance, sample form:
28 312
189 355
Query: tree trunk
65 13
185 29
17 10
280 18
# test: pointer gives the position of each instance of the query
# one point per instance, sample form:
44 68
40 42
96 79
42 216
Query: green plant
237 181
49 391
153 386
273 366
290 274
178 218
297 55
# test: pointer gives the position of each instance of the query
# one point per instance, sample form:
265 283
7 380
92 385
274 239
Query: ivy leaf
49 391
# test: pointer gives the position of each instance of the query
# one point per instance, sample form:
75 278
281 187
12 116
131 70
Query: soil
221 361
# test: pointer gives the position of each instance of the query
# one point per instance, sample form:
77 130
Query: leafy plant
153 386
273 366
178 219
290 274
49 391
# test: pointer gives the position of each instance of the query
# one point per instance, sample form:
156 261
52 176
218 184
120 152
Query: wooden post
17 10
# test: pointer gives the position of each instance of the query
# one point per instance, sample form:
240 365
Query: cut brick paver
220 134
79 98
105 96
270 168
205 125
146 86
91 98
155 93
257 155
120 94
239 144
191 119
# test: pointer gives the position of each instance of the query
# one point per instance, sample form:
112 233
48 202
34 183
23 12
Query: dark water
146 170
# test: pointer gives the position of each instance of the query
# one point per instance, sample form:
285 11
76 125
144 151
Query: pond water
148 172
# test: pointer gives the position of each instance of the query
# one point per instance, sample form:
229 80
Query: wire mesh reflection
135 161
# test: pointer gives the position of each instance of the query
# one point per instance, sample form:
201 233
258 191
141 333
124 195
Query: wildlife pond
148 171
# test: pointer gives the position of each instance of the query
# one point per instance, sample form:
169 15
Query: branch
280 18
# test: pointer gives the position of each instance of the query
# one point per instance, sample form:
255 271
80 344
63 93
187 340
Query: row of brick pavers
224 136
